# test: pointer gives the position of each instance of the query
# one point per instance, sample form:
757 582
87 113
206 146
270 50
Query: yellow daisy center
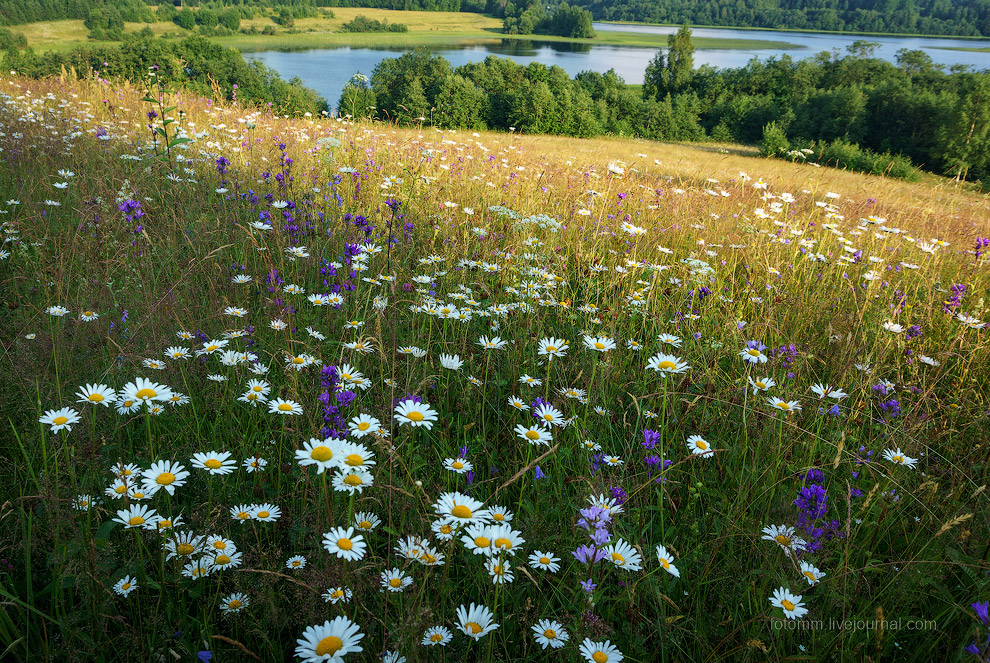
345 544
146 393
701 445
415 416
665 564
213 464
353 480
96 398
184 549
436 637
364 425
550 634
219 545
364 524
244 515
532 434
761 384
457 465
787 605
329 645
257 389
126 586
548 417
503 542
336 594
222 559
544 560
263 514
782 540
753 352
59 421
666 365
284 407
498 517
482 542
810 576
135 520
164 524
618 559
599 346
296 562
599 657
460 511
298 360
898 459
321 453
446 529
474 627
128 403
354 460
165 478
551 348
783 406
120 490
234 605
395 582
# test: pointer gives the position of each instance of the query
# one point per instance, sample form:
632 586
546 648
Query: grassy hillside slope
278 386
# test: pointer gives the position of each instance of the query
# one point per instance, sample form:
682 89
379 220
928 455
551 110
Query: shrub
362 23
774 141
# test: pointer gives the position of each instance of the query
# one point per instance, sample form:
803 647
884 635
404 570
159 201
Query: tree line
562 20
194 63
18 12
856 110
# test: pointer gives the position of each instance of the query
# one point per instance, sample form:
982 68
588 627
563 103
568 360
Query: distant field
425 29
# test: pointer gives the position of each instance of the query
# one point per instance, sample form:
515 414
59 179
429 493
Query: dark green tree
966 136
186 19
669 72
231 19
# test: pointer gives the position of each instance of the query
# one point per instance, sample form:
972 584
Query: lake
328 70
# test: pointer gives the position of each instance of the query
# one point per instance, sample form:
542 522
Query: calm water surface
328 70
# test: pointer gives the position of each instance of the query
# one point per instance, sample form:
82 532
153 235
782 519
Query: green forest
942 17
853 111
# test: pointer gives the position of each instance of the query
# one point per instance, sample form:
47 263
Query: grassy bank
960 48
425 29
896 35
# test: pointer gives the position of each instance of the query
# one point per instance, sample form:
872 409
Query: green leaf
103 532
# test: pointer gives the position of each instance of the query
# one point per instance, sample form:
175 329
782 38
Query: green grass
425 29
827 32
525 235
960 48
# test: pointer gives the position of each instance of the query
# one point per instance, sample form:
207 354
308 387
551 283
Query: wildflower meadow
283 389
